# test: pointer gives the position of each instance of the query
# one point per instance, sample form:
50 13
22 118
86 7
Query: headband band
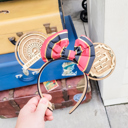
40 92
55 48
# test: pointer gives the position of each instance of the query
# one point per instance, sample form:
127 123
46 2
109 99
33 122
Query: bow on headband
54 47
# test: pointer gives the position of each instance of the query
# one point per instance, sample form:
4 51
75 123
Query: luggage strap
12 102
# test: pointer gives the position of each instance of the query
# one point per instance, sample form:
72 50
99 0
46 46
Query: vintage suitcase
11 75
66 94
21 16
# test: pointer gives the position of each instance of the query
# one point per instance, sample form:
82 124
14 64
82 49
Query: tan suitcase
21 16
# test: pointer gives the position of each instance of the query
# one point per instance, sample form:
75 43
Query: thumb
42 107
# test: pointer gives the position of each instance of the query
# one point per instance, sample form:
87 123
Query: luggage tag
50 85
93 59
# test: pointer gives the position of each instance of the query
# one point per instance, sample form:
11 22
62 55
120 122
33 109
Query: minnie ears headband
55 47
93 59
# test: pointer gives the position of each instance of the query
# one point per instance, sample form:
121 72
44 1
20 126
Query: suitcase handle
13 39
4 11
28 79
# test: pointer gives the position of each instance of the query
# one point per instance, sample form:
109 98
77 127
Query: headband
50 105
55 48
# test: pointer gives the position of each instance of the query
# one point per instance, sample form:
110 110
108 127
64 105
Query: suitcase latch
13 39
19 34
50 30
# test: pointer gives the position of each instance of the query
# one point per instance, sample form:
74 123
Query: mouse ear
104 63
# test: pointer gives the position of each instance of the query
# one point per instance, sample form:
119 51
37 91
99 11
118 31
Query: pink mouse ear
53 45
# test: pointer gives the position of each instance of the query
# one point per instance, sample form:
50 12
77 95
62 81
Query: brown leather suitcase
66 94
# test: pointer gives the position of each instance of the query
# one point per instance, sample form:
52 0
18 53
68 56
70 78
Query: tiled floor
92 114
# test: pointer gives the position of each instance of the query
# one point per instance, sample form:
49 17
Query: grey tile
79 26
118 116
89 115
8 123
73 8
86 29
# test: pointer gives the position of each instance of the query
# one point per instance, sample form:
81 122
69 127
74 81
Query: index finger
48 96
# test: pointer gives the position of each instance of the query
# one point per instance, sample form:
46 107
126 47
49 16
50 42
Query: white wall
108 23
96 15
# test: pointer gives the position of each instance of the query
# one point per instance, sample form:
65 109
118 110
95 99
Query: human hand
35 113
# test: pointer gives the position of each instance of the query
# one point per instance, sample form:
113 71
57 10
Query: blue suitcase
11 75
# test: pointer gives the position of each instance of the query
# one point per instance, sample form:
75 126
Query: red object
54 47
65 95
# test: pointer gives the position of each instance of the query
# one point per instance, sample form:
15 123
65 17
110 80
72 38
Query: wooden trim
12 102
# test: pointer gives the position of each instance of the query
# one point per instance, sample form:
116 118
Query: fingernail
44 101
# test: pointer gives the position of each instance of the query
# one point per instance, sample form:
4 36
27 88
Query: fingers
47 96
42 107
48 118
48 112
34 100
31 105
48 115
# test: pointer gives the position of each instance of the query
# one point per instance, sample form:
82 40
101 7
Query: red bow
54 47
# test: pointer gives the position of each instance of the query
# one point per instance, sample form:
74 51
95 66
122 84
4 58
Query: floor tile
8 123
73 8
118 115
89 115
86 29
79 26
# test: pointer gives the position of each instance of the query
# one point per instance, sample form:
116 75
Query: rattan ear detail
28 46
104 63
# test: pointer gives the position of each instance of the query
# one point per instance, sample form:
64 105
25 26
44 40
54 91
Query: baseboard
115 101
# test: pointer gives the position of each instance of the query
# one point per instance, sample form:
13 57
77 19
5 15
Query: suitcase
11 75
66 94
16 21
21 16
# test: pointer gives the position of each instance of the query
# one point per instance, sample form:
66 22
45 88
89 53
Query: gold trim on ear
83 95
104 63
17 47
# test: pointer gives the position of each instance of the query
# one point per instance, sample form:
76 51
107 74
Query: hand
35 113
